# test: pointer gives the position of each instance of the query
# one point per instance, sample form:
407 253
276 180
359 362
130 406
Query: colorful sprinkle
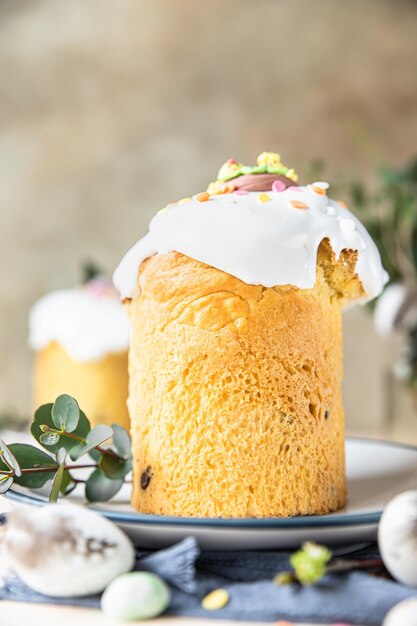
203 196
264 197
343 204
228 188
322 184
319 190
281 623
278 185
297 204
215 600
184 200
231 161
241 192
294 188
291 174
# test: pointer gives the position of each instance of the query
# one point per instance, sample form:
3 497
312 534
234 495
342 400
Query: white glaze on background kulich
261 243
86 323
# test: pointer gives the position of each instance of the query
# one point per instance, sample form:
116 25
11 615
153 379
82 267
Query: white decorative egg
66 550
397 538
403 614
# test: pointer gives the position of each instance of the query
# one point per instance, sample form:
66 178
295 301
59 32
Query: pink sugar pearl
278 185
294 188
241 192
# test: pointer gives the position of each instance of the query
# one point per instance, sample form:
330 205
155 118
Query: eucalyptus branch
63 430
33 470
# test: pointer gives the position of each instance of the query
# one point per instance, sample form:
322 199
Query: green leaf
30 457
9 459
43 416
5 483
49 438
95 454
121 441
66 413
114 468
310 563
59 476
95 437
99 488
68 484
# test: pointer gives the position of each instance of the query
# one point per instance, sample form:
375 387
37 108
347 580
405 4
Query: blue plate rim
306 521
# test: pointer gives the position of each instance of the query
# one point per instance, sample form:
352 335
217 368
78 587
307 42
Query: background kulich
235 390
100 386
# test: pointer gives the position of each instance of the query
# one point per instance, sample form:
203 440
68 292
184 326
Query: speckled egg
404 614
397 538
66 550
135 596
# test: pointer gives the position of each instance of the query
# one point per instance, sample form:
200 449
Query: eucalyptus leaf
95 454
30 457
66 413
49 438
114 468
68 484
99 488
99 434
9 458
43 416
5 483
59 476
121 441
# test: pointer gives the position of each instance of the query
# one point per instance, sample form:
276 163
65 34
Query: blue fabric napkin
355 597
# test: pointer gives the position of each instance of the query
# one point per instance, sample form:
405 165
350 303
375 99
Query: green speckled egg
135 596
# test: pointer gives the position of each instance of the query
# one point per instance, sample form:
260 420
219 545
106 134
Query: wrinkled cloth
354 597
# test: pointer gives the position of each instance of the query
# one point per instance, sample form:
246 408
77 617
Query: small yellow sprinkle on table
215 600
264 197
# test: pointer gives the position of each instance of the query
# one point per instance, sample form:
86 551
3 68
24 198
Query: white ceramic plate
377 471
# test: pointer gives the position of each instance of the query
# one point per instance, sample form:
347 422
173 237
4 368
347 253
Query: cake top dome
88 322
257 224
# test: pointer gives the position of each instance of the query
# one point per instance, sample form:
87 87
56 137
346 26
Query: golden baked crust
235 391
100 387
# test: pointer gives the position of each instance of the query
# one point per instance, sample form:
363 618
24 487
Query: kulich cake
235 299
80 337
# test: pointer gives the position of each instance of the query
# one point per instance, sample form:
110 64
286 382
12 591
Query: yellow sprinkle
263 197
297 204
291 174
215 600
184 201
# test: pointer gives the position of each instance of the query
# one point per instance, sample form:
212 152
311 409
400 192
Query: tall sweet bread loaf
235 387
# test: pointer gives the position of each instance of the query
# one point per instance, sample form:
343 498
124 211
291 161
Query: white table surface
19 614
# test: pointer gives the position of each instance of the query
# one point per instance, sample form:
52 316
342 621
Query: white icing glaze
266 243
87 323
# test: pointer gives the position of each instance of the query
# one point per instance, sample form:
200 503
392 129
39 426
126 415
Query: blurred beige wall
110 109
